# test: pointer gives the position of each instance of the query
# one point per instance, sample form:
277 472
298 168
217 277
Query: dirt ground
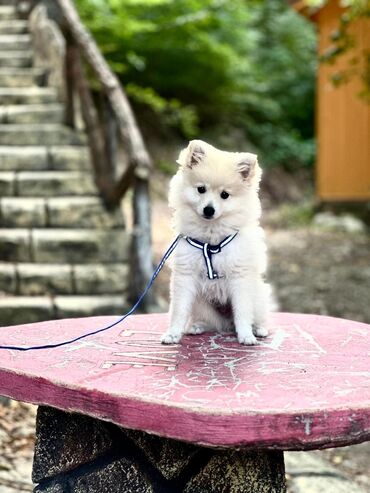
324 272
313 271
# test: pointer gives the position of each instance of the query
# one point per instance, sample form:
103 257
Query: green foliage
281 108
171 111
216 64
167 167
298 215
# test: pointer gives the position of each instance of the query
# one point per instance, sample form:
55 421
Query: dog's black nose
208 211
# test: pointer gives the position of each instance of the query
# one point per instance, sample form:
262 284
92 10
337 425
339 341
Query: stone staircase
61 253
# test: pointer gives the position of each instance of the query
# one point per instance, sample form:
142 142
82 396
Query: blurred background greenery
240 73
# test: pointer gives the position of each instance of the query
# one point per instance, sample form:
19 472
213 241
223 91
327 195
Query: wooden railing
110 126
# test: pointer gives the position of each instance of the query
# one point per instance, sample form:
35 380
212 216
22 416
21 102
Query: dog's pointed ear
192 155
247 164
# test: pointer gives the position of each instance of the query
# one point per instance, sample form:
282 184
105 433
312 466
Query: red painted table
306 386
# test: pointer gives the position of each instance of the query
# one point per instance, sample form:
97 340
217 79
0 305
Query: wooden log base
80 454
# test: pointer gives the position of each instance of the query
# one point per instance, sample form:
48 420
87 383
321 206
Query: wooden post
93 128
110 129
70 119
141 259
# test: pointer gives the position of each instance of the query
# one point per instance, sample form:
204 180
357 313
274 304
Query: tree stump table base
80 454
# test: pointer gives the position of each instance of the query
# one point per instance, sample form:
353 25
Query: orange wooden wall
343 118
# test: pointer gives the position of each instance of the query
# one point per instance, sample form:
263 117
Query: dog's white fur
241 263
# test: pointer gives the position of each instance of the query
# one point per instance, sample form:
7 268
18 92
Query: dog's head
216 186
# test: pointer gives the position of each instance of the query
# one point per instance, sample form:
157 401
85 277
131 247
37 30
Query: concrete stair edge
58 212
35 279
44 158
30 309
44 245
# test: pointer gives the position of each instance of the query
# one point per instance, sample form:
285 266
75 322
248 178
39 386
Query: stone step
54 183
46 183
7 183
18 42
79 246
47 134
81 212
22 212
37 158
13 27
13 59
27 95
44 279
84 306
73 246
60 212
32 113
101 278
15 310
21 77
15 245
8 278
52 279
7 12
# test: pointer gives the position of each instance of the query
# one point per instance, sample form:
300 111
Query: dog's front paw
246 337
249 340
169 338
260 331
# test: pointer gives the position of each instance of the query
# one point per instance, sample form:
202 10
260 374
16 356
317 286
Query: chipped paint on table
306 386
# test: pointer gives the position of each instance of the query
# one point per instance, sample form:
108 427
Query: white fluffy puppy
217 284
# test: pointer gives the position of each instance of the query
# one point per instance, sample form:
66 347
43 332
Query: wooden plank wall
343 118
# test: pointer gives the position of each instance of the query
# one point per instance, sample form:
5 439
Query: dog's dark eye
224 195
201 189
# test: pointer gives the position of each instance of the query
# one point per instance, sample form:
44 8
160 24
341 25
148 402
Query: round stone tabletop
306 386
